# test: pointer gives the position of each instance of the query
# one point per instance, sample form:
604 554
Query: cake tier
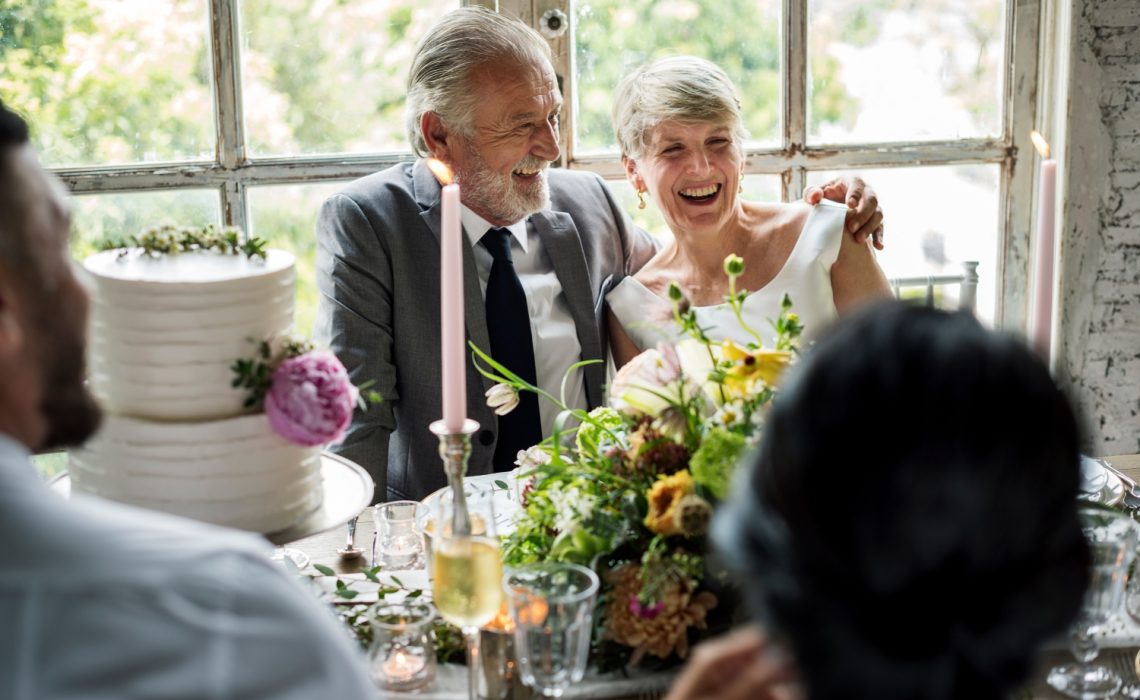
165 330
236 472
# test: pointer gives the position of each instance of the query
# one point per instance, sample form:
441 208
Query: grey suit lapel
560 239
427 194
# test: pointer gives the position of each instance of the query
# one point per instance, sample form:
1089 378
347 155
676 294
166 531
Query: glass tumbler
1112 539
397 543
552 606
402 655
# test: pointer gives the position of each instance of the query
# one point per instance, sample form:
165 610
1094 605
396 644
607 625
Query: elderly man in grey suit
545 245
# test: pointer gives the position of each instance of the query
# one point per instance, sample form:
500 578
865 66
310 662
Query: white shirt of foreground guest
100 601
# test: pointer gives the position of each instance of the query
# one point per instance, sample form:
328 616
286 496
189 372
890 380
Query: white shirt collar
476 226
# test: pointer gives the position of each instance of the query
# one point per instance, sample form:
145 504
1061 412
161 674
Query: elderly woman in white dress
679 126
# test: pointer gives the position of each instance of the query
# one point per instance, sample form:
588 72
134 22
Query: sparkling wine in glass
467 572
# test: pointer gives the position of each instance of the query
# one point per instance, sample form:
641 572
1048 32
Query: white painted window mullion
225 48
793 74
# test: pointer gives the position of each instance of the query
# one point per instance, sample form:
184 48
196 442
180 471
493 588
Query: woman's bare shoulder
656 275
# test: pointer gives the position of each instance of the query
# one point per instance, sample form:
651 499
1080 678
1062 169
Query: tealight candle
402 666
401 656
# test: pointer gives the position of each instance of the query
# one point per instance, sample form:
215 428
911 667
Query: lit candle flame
502 622
441 171
1039 143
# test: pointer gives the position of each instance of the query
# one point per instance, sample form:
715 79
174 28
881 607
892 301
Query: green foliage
104 90
714 462
593 435
446 638
254 374
616 35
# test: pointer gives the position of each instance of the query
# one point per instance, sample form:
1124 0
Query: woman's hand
864 217
743 665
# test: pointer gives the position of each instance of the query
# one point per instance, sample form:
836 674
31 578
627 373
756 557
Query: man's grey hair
676 88
461 42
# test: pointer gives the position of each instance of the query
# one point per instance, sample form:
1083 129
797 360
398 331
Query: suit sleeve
354 320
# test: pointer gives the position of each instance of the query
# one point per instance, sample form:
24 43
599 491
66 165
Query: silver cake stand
347 492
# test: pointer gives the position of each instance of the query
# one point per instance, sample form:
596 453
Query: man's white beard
500 197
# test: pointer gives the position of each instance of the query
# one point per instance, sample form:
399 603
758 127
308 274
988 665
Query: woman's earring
641 199
740 186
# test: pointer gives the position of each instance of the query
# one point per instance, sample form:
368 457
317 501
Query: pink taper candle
1041 331
453 372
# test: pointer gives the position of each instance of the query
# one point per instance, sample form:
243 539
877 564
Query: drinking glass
552 605
467 571
396 544
401 656
1112 539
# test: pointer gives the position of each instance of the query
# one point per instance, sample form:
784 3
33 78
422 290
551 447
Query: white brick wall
1099 351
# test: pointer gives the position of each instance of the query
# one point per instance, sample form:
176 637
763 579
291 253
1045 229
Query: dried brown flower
651 453
666 632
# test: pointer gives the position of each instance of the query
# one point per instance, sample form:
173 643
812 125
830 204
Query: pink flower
645 612
311 399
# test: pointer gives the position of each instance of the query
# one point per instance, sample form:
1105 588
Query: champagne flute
467 571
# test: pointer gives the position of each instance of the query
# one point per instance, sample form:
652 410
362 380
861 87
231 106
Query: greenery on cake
168 239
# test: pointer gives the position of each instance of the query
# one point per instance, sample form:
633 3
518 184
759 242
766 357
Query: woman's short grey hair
462 41
676 88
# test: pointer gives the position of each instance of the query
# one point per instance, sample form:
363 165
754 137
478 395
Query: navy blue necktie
508 324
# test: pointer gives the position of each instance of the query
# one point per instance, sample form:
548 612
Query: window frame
793 158
233 171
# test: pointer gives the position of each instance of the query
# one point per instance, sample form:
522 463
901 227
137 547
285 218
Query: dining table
1120 651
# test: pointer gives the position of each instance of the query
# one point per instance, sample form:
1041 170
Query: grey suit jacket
378 275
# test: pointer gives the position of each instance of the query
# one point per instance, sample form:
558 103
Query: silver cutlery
350 550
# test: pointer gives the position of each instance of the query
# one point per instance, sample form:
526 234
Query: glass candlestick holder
396 543
402 655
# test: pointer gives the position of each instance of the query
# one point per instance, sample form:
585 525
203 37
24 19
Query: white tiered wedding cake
166 331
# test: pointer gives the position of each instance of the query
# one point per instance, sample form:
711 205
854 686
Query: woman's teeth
700 192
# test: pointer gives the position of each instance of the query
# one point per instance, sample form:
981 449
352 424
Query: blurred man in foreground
100 600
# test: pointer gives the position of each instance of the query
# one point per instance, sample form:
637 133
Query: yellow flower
664 499
751 366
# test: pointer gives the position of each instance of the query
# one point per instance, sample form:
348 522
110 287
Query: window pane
935 218
765 188
50 464
615 36
324 77
110 81
102 217
901 70
286 216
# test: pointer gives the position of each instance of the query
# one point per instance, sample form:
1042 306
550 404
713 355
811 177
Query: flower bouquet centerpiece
630 490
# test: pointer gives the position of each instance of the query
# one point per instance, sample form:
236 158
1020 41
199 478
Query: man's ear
439 139
11 328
